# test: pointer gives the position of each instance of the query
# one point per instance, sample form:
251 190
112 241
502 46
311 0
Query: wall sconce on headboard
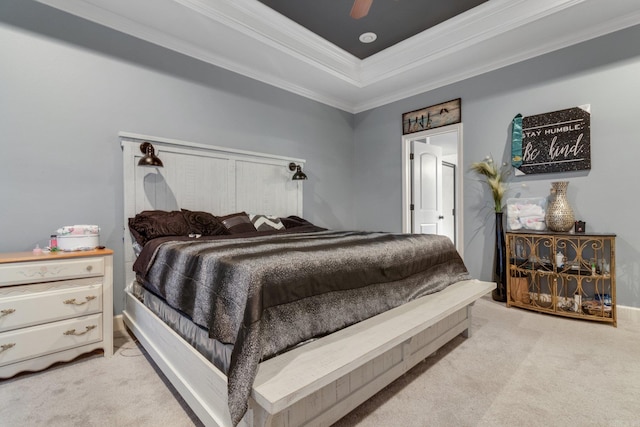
149 158
299 175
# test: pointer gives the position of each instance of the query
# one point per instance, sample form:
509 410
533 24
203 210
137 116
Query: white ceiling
249 38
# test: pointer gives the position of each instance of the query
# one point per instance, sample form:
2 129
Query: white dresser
54 307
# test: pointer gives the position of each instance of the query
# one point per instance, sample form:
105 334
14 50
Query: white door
427 213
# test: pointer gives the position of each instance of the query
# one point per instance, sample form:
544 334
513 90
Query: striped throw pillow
266 222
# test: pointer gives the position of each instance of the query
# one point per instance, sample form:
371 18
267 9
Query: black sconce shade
299 175
149 158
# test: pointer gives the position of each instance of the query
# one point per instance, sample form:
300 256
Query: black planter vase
500 263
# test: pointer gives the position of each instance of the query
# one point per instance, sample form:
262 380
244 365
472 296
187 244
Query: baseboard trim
118 324
630 314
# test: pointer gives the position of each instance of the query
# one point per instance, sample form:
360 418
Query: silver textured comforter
264 294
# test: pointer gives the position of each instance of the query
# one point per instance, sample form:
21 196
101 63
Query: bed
314 383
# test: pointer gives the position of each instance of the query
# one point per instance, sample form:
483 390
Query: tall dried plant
495 178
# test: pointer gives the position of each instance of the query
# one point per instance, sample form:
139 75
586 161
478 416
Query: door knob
441 217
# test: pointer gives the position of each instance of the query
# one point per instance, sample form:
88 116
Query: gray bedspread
264 294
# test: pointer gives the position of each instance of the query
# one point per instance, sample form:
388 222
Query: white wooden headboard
206 178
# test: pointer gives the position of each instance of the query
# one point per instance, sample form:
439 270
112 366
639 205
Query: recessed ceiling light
368 37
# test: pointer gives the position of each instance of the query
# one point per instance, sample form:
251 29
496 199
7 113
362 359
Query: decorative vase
500 261
559 213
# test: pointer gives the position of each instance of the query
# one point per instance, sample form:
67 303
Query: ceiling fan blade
360 8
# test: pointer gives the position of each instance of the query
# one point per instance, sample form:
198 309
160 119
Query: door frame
406 180
446 164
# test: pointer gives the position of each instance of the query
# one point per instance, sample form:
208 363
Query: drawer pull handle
74 302
89 267
7 311
4 347
77 334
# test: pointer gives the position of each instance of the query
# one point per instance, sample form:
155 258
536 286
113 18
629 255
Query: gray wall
68 86
603 72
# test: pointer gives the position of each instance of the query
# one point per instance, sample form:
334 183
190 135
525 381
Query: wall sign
431 117
559 141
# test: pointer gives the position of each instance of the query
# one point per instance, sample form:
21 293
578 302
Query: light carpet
518 368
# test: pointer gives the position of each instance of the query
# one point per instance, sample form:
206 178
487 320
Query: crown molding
489 20
248 38
551 41
269 27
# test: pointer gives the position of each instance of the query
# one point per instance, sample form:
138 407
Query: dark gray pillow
148 225
204 223
237 223
294 221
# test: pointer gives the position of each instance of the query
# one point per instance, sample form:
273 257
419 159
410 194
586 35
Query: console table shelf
564 274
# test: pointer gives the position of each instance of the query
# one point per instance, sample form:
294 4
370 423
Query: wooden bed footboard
320 382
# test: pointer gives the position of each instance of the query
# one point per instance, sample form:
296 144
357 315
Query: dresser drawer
35 341
33 272
29 305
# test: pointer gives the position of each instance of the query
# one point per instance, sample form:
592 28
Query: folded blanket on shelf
528 214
